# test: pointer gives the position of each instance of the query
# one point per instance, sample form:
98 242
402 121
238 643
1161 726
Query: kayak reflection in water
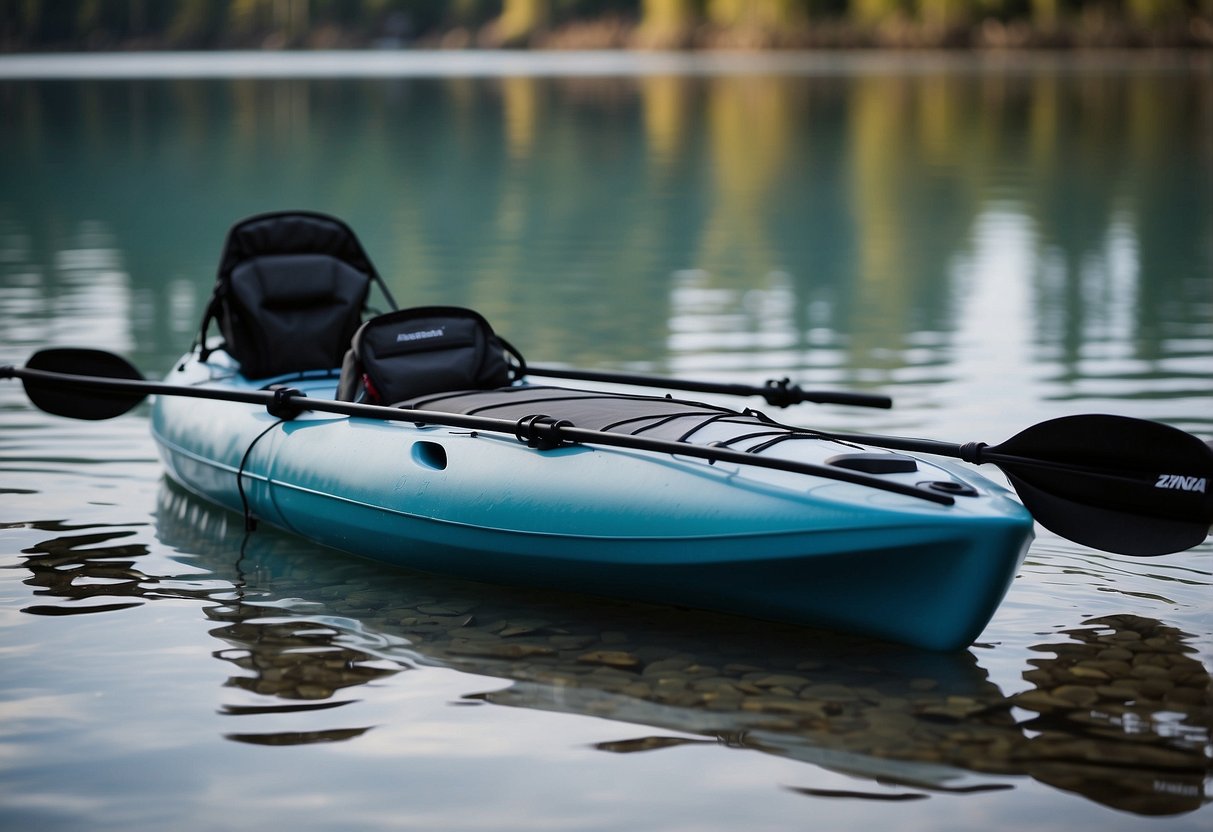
1118 713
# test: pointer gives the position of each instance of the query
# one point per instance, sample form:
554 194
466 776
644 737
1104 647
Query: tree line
41 25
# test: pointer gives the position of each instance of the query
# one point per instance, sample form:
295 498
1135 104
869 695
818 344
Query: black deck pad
657 417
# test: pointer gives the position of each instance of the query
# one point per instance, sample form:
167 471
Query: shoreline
416 63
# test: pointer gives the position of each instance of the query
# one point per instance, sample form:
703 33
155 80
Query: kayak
419 438
904 548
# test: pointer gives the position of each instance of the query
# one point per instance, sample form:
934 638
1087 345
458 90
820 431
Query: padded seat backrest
294 312
291 292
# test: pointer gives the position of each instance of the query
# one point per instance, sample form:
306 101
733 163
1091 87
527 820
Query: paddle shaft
969 452
979 453
537 431
1115 483
776 393
976 453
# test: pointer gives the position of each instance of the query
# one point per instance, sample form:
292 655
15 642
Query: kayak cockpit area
654 417
667 419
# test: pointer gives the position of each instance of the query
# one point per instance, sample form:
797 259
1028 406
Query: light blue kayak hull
612 522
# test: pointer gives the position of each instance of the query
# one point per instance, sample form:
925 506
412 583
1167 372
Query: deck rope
250 522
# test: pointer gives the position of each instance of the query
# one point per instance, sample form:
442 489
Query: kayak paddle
1115 483
63 400
90 384
1123 485
781 393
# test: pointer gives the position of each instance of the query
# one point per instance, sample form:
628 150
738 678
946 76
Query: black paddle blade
1114 483
74 398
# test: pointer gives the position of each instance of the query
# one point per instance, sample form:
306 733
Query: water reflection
896 219
86 569
1122 700
1119 712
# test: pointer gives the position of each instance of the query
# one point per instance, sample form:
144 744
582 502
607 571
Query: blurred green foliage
209 24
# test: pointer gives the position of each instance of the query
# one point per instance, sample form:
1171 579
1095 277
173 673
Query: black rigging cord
250 522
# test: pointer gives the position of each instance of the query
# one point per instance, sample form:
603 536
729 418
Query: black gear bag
408 353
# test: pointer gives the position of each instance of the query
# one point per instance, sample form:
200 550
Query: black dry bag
408 353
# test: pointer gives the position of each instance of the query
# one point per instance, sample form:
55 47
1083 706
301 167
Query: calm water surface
990 245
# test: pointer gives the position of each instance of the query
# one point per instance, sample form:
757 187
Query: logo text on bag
420 334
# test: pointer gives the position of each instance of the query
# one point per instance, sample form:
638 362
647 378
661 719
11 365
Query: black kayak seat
305 307
291 291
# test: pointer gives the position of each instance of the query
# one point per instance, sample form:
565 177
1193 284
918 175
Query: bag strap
517 367
211 314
